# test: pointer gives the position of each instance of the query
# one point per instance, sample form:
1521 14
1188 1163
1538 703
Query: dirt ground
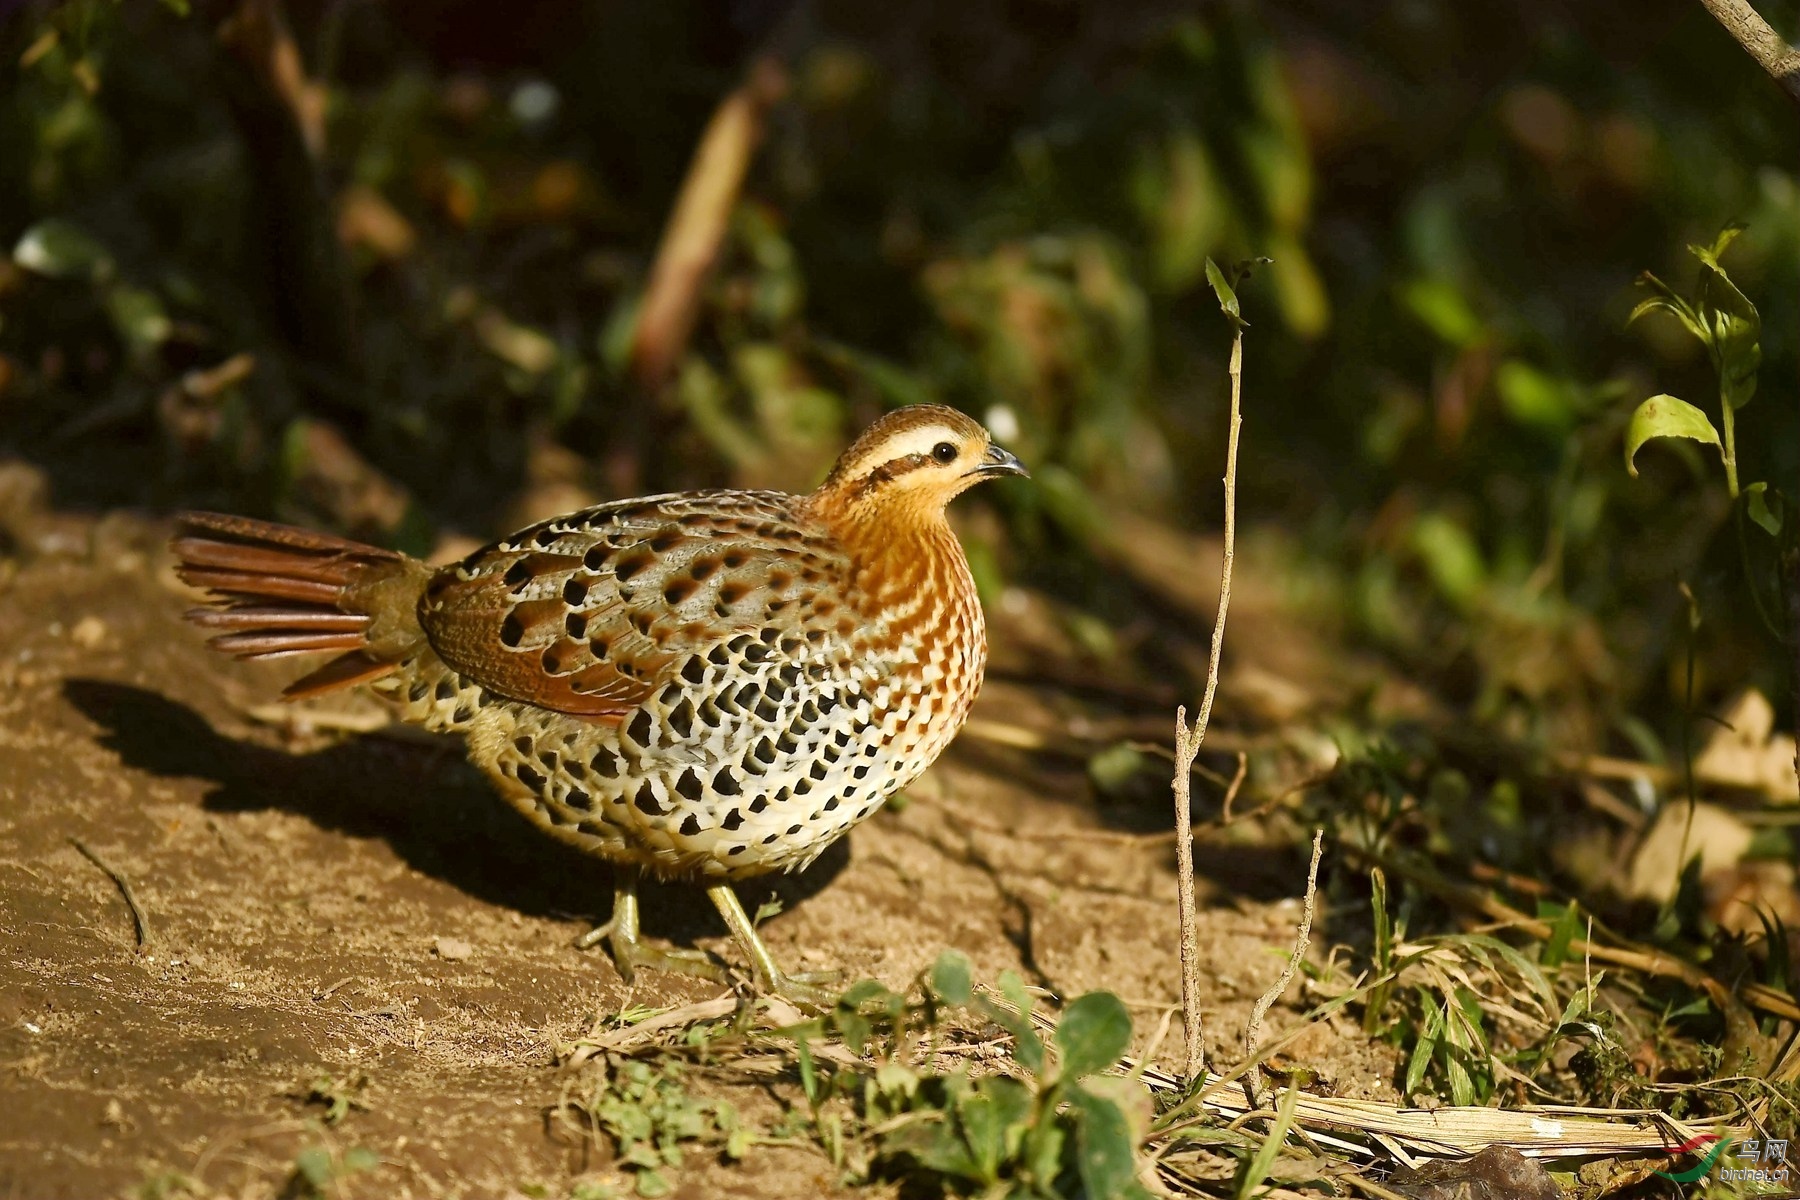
357 907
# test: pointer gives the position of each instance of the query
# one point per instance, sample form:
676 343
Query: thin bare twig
1768 48
140 919
1188 740
1302 939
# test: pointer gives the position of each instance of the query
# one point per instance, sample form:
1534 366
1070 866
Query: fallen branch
140 919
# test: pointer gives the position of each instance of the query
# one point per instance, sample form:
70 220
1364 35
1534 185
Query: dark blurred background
379 267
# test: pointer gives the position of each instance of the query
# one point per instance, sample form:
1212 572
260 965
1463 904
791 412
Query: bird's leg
629 951
769 977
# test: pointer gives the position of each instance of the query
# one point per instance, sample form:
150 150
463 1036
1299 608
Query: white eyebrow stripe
918 441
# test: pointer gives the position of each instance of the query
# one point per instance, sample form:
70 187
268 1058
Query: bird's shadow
435 810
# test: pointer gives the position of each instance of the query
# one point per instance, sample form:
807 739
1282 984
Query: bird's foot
630 953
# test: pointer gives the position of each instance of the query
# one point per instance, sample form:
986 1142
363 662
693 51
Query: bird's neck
904 554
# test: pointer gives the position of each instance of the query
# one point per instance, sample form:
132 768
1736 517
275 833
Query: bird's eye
944 452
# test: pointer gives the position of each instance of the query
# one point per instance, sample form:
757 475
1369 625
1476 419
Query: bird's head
913 462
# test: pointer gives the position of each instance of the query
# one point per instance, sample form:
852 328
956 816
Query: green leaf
1093 1033
1439 306
950 977
62 250
1536 398
1263 1165
1665 300
1756 503
1733 324
314 1165
1562 933
1666 416
1224 291
1104 1154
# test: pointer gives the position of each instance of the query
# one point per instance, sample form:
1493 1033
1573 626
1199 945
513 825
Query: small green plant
1056 1130
318 1170
644 1110
1724 321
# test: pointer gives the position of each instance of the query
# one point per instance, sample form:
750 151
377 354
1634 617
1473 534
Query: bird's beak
1000 462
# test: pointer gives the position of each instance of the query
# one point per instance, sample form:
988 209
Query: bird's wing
591 613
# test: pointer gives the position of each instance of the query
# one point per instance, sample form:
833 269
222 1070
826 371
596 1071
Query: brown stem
1188 740
1768 48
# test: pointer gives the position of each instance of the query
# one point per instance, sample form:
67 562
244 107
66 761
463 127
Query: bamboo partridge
706 686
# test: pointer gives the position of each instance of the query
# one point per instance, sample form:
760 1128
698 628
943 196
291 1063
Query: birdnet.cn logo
1757 1161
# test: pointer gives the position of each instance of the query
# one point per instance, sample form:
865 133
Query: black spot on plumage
872 749
512 631
417 691
756 652
787 743
726 783
794 829
444 690
548 758
522 745
719 656
463 713
791 646
758 804
827 703
642 622
639 729
734 559
665 540
646 801
691 825
703 569
771 839
738 644
763 751
517 574
819 770
575 625
732 820
731 593
678 590
830 805
546 538
575 591
843 737
681 719
530 778
689 786
803 787
579 799
606 763
596 556
575 767
693 670
552 660
861 771
748 695
630 565
737 850
709 715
